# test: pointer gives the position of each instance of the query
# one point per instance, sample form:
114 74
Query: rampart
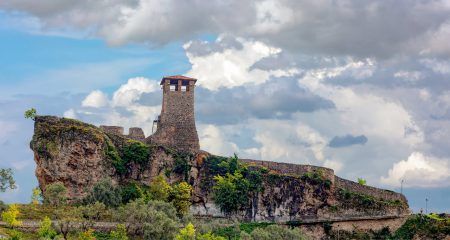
133 133
368 190
292 169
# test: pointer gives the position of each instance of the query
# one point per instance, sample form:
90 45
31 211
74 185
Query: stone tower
176 124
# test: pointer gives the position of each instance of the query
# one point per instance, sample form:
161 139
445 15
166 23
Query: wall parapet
368 190
291 168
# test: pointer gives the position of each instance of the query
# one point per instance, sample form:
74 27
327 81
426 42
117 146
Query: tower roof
177 77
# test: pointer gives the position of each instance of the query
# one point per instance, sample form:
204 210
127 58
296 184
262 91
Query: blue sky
277 81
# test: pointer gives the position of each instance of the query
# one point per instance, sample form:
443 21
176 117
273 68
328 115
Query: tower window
173 88
183 88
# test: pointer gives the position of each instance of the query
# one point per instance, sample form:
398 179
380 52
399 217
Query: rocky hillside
79 155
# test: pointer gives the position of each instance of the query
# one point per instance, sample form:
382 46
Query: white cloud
438 66
231 67
419 170
213 140
132 91
95 99
411 76
70 114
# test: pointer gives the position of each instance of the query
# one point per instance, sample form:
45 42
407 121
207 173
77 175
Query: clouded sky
362 87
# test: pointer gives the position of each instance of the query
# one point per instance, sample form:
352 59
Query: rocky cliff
79 155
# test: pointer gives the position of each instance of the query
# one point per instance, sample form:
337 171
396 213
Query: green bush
119 234
117 162
130 192
30 113
180 197
276 232
137 152
46 230
231 192
55 194
152 220
105 192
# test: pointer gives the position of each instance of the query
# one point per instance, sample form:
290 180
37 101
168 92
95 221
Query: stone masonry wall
134 133
368 190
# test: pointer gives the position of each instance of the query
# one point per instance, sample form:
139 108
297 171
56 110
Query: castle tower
176 124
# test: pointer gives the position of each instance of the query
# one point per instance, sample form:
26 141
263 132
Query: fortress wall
112 129
364 189
292 169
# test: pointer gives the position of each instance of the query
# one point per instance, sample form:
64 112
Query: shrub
181 165
231 192
186 233
55 194
30 113
362 181
36 196
10 216
46 230
159 188
154 220
87 235
3 206
136 152
105 192
119 234
180 196
117 162
131 192
15 235
91 213
276 232
67 220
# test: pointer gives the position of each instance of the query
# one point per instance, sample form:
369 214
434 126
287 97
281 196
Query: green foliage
362 181
231 192
15 235
87 235
10 216
181 164
3 206
6 179
117 162
46 230
36 196
180 196
91 213
186 233
130 192
30 113
159 188
276 232
55 194
67 220
316 177
135 151
119 234
105 192
424 227
152 220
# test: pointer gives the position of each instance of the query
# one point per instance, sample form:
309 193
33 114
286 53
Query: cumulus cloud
347 140
95 99
419 170
319 27
132 91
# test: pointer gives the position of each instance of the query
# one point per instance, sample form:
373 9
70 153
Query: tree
46 230
10 216
87 235
91 213
55 194
231 192
154 220
180 196
6 179
105 192
30 113
159 188
67 220
186 233
36 196
362 181
119 234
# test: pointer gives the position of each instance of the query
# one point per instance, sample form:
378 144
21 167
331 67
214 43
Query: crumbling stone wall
368 190
134 133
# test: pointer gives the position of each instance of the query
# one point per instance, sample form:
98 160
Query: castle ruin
175 126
